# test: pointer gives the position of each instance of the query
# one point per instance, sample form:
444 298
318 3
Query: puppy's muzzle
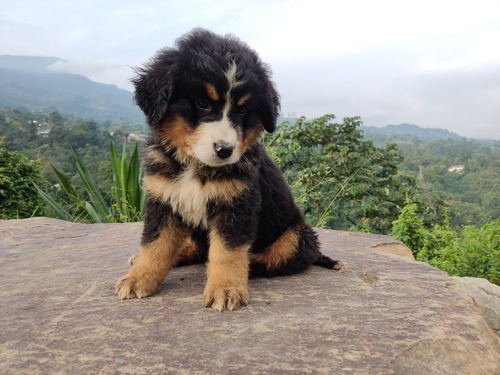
223 150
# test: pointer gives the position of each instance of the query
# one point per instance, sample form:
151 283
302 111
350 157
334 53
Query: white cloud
112 74
435 63
484 52
322 28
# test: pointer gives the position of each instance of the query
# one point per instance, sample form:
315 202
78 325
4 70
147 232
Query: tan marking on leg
282 249
212 92
227 275
151 265
243 100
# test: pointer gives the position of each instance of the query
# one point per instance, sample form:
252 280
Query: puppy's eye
203 104
242 110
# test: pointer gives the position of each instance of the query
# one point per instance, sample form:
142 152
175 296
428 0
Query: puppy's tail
327 262
309 245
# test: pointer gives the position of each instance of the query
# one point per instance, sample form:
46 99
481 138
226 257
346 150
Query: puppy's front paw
229 298
130 286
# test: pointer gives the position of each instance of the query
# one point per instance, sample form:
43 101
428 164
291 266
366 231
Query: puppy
214 194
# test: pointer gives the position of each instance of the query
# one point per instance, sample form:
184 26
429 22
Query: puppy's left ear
154 84
271 108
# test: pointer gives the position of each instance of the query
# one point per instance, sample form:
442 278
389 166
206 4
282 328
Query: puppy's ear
154 85
271 107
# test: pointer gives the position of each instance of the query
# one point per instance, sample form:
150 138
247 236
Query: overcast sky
434 63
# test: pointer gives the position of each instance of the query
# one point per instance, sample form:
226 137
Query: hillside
28 82
390 133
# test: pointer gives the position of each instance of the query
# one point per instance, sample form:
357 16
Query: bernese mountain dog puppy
214 194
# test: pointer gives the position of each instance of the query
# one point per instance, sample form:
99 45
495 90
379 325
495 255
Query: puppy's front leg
156 258
147 273
227 274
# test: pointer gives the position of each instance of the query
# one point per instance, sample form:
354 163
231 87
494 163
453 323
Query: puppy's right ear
154 85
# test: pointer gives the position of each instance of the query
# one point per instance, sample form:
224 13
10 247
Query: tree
338 179
18 196
55 118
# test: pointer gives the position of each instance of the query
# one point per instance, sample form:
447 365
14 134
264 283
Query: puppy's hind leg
294 251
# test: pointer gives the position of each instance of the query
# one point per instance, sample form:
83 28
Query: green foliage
408 228
338 179
52 145
471 193
127 202
129 196
474 252
478 252
18 196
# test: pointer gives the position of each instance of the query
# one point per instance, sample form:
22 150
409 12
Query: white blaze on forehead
208 134
232 79
231 76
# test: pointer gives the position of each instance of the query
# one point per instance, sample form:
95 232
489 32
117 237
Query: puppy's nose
223 150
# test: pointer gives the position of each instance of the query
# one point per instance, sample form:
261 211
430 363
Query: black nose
223 150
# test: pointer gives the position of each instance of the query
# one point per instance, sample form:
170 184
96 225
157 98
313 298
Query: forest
439 197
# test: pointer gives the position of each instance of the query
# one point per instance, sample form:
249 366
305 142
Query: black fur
173 72
172 86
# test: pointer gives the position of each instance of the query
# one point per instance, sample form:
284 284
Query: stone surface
487 297
385 314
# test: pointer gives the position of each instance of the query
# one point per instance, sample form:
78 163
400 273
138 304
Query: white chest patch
189 198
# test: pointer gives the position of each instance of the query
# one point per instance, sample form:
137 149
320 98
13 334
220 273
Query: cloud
461 92
433 63
322 28
482 53
112 74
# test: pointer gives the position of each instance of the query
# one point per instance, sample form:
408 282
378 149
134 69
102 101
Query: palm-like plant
127 201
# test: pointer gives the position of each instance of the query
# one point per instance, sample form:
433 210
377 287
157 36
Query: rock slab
385 314
487 297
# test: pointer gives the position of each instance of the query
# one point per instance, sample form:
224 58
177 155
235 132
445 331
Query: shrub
475 252
18 196
126 204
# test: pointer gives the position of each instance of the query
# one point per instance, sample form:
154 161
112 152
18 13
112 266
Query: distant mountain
409 131
28 82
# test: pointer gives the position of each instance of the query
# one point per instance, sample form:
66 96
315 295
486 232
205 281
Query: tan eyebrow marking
212 92
244 99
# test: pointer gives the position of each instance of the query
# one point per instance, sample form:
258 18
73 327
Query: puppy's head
209 98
